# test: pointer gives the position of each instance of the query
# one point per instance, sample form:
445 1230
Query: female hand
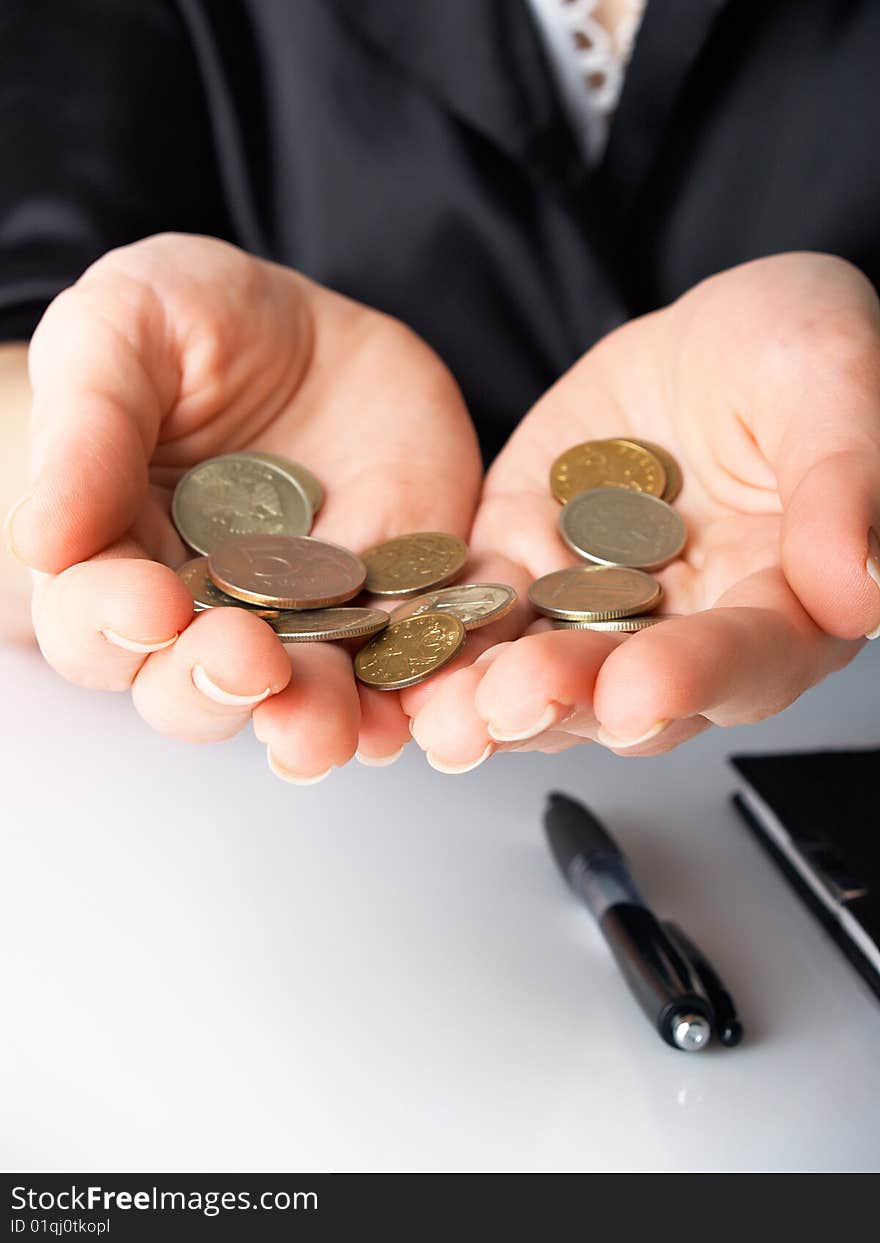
764 382
172 350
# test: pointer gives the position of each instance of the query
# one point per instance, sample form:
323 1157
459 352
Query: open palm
763 383
171 351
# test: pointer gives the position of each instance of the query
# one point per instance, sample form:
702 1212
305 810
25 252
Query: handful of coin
617 515
249 516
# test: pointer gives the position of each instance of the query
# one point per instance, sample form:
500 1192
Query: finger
744 660
205 687
432 730
101 377
456 739
536 682
312 726
384 728
581 725
535 693
830 542
97 622
448 727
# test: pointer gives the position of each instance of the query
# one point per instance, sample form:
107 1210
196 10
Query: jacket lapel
669 42
483 61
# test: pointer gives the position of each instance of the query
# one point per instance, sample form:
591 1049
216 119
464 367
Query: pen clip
727 1025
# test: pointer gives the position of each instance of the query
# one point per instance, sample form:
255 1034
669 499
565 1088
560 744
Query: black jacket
414 154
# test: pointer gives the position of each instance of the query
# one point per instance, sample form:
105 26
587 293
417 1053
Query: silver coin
474 604
238 494
310 484
626 624
616 526
328 625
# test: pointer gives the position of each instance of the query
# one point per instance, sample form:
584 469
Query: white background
207 970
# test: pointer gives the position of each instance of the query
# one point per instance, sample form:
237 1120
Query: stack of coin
249 515
597 597
617 514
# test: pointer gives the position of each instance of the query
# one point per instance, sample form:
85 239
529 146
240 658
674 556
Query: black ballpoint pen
665 977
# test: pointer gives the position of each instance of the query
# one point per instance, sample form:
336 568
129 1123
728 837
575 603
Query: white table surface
207 970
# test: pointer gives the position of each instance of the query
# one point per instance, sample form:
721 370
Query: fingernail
8 524
491 653
220 696
456 769
551 715
292 778
378 761
621 744
133 645
412 727
872 565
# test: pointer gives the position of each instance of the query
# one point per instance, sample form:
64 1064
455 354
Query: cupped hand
764 382
172 350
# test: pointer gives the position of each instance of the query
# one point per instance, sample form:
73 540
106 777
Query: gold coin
674 480
474 604
238 494
309 483
286 572
594 593
328 625
615 463
613 526
413 563
626 624
409 651
207 595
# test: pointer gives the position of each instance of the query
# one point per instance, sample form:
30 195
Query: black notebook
818 816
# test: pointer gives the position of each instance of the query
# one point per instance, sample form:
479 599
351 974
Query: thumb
100 382
828 458
797 339
831 542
